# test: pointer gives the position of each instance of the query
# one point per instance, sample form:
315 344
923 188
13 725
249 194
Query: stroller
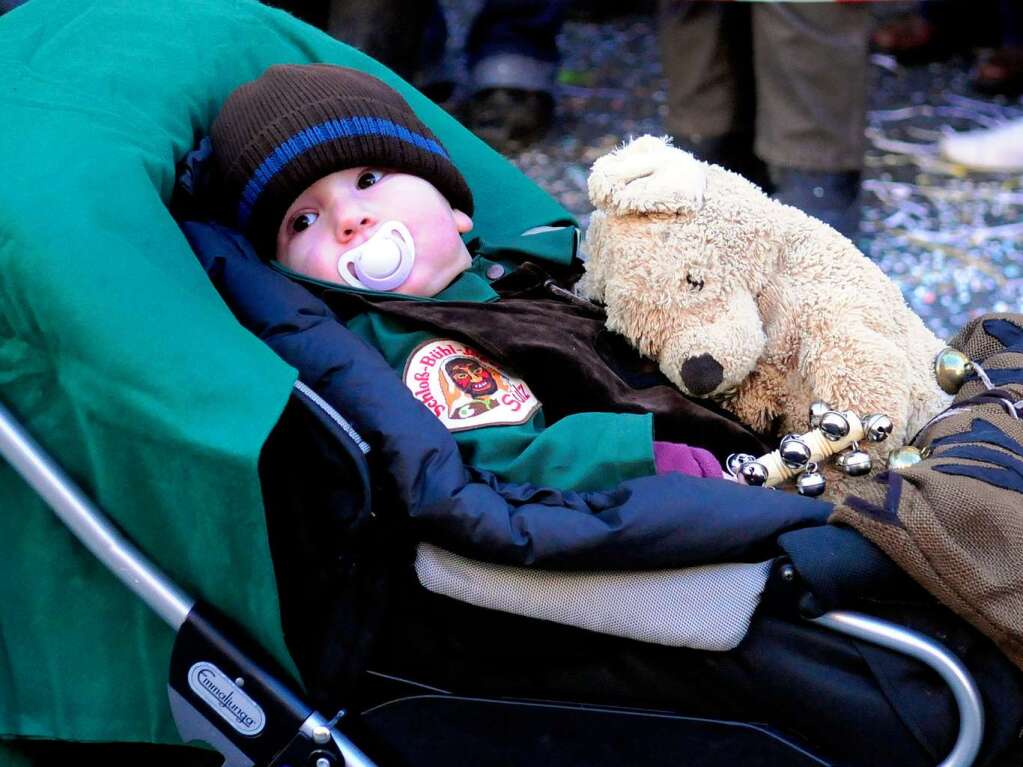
121 360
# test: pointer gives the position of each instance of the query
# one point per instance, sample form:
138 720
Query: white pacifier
383 262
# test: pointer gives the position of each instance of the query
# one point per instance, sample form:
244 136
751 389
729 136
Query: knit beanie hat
295 124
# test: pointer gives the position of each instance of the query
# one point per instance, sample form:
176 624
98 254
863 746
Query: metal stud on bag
904 457
952 368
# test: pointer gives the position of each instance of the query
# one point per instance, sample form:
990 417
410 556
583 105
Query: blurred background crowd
899 123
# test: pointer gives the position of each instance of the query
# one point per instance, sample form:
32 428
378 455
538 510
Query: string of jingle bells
834 432
799 455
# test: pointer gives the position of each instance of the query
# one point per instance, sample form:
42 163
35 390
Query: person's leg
811 70
513 44
388 30
706 56
512 55
437 73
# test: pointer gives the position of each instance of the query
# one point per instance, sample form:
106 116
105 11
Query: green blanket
118 356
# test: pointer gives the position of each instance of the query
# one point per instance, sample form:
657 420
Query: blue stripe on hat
303 141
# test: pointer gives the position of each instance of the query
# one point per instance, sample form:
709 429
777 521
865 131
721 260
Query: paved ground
951 239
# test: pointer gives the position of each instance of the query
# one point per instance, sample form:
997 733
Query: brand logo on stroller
226 698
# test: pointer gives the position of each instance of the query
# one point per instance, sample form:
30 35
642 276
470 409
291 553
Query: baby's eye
368 178
303 221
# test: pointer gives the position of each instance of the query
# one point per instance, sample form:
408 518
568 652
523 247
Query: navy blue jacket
653 522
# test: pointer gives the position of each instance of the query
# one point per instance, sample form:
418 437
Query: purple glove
694 461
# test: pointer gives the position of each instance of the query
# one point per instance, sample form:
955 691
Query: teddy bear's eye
695 283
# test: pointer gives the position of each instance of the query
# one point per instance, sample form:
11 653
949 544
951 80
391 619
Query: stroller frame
290 730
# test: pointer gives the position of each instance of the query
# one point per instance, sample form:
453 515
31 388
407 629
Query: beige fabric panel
704 608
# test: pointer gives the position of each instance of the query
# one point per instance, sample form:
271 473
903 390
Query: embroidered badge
464 389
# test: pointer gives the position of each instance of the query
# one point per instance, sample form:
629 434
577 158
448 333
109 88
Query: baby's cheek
417 284
431 253
320 262
325 272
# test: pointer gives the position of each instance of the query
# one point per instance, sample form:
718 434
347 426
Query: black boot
510 119
831 196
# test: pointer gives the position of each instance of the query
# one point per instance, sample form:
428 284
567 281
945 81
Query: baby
381 206
338 181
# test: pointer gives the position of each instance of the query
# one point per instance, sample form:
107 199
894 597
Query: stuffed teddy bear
746 300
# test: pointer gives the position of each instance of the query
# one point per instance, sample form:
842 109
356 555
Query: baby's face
343 210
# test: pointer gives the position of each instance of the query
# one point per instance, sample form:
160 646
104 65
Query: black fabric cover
852 703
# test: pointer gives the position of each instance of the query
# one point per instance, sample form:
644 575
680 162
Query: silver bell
903 458
834 425
754 472
795 453
811 483
878 427
855 463
951 368
817 411
735 461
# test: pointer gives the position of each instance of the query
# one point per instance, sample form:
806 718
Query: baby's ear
462 221
648 175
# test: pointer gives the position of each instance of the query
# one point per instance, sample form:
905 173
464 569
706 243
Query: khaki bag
954 521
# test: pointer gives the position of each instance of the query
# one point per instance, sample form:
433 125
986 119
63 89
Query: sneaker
830 196
996 150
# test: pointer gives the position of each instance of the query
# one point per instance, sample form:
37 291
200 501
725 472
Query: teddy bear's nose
702 374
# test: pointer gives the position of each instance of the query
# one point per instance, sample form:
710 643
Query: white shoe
997 149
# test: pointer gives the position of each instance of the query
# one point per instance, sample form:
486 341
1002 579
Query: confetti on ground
952 239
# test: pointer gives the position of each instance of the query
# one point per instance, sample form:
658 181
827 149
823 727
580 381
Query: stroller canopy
120 358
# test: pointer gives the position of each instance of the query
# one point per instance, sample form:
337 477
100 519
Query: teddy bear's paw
648 175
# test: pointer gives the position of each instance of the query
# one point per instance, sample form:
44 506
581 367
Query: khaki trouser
793 76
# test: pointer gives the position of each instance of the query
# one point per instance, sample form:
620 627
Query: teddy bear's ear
648 175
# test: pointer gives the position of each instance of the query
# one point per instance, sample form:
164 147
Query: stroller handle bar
91 526
929 652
